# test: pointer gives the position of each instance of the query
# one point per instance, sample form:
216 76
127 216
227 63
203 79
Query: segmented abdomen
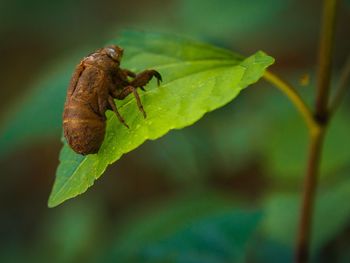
83 128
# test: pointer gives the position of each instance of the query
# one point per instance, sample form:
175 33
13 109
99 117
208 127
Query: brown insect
95 83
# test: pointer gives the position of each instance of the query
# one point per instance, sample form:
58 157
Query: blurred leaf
14 252
286 150
177 157
221 18
197 78
228 137
282 212
206 228
70 233
267 251
220 238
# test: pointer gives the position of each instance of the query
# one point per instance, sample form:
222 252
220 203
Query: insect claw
142 111
158 77
121 119
139 104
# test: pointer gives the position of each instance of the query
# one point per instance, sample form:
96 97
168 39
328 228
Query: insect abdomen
83 128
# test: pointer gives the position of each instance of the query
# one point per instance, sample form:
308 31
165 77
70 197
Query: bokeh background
223 190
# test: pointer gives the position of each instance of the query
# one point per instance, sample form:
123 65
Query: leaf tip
264 57
52 202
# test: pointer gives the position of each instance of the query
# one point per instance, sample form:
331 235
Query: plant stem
317 135
294 97
326 47
310 185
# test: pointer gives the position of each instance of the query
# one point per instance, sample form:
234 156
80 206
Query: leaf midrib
219 50
227 55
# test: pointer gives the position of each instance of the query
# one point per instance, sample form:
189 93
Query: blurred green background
223 190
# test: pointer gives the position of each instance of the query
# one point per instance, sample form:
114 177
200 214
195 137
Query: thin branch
294 97
341 87
310 186
317 137
325 58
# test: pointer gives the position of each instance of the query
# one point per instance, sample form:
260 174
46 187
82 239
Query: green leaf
199 227
198 78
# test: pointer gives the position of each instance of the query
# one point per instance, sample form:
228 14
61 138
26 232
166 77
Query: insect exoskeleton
96 82
83 128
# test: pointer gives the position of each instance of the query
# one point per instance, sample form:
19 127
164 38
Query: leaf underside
197 78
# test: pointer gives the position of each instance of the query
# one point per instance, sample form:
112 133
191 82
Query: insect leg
125 92
139 104
129 73
114 108
144 77
121 94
